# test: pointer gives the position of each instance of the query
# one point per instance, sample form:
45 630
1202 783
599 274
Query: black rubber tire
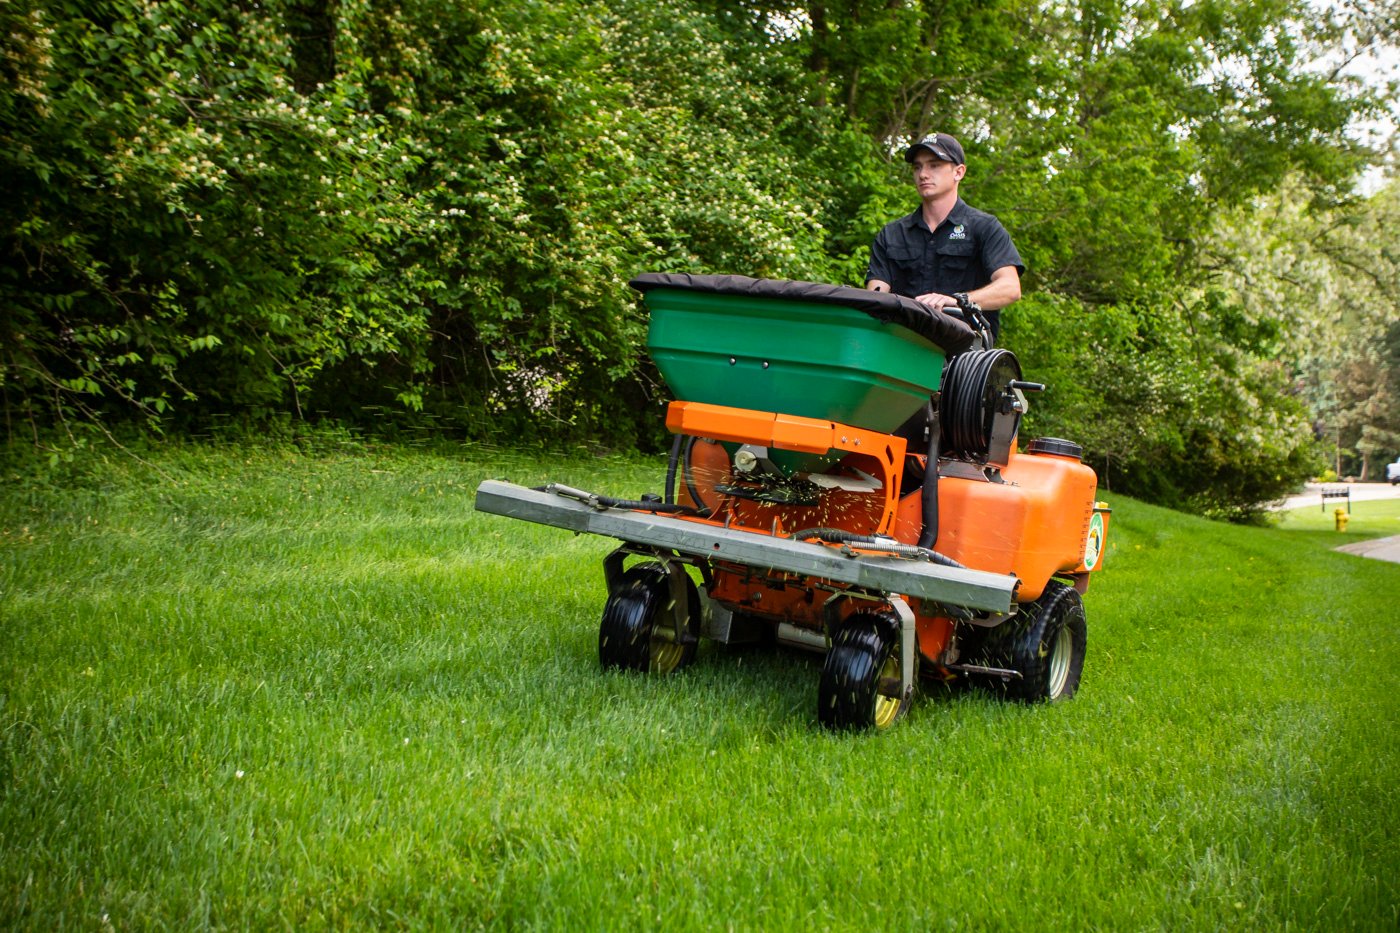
625 634
1046 645
862 655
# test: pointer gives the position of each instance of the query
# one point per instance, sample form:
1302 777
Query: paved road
1378 548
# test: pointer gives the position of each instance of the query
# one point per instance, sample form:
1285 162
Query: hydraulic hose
841 536
929 536
670 489
689 478
608 502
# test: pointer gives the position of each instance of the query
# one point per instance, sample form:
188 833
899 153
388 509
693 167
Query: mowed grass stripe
269 688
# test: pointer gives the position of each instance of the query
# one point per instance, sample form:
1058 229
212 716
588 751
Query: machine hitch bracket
906 645
1003 672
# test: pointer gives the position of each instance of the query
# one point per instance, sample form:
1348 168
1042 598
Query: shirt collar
958 215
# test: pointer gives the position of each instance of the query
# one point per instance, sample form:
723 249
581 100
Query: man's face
934 177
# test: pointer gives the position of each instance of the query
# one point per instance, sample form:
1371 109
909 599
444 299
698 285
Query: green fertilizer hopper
800 357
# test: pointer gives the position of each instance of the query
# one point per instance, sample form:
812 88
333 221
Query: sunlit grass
1367 518
264 688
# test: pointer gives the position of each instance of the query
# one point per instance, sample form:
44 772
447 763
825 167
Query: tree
1320 290
347 209
183 224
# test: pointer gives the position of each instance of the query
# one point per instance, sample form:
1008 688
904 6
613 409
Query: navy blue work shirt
961 255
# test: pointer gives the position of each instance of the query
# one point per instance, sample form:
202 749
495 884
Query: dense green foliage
279 688
304 208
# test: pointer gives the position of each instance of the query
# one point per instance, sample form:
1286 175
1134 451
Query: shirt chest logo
958 233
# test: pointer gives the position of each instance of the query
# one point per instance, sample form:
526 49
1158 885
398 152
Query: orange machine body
1035 523
1039 521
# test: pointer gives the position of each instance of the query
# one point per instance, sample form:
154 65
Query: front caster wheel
651 622
1046 645
860 680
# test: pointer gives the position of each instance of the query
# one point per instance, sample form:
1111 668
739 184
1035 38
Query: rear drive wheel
1046 645
859 687
643 628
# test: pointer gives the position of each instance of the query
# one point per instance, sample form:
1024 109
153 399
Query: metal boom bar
973 589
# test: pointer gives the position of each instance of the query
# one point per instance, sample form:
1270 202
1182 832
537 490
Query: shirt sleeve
998 250
879 267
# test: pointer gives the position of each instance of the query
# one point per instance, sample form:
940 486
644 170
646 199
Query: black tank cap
1055 445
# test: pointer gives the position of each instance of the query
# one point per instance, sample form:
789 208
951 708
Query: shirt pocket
954 256
905 258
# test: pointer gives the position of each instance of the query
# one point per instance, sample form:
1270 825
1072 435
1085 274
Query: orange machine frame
1028 523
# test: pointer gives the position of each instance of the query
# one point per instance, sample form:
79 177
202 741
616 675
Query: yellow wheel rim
886 707
665 655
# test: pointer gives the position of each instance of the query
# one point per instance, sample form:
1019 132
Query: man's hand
936 301
1002 290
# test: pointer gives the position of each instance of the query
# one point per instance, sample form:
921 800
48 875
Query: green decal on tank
1094 546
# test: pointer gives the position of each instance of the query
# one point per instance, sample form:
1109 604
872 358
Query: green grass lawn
259 688
1369 518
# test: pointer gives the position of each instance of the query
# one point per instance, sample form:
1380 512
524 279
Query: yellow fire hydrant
1342 518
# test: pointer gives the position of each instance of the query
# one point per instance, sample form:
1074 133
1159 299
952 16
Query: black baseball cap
941 145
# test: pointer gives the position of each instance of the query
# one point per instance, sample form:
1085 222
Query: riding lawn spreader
794 510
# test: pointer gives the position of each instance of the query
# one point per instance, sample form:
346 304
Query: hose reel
981 405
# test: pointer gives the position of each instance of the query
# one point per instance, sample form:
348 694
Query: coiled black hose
969 399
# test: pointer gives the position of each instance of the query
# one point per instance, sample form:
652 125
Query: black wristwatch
967 305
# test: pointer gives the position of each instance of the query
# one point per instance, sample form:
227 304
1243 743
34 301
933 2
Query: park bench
1336 492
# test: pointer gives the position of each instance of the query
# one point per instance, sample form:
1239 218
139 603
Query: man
946 254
